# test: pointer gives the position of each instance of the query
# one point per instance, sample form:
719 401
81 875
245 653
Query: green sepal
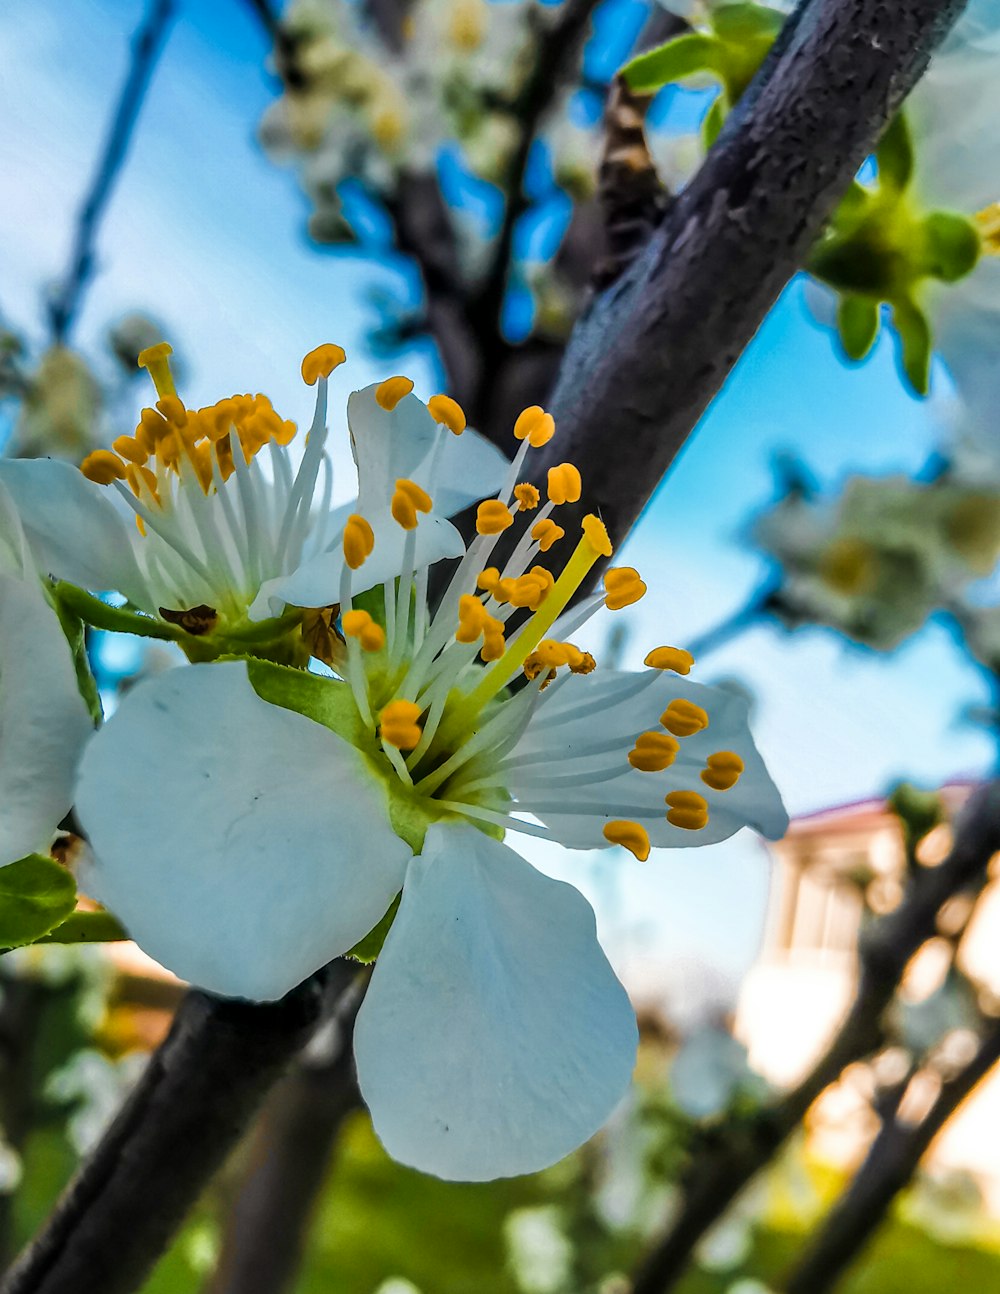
894 155
328 701
86 928
683 56
36 895
915 342
76 637
858 324
368 948
742 22
93 611
715 119
951 246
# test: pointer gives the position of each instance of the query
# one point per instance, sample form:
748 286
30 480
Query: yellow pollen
653 752
630 835
687 809
321 362
586 664
172 408
407 500
675 658
623 587
987 222
527 496
493 517
391 391
103 467
131 448
684 718
529 590
535 425
443 408
488 580
546 533
722 770
360 625
399 724
564 484
359 541
597 532
156 361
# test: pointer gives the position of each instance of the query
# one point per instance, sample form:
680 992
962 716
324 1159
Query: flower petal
43 721
242 845
387 444
613 707
469 468
494 1038
74 530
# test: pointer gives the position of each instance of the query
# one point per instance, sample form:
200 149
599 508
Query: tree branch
188 1109
890 1163
885 951
146 47
652 351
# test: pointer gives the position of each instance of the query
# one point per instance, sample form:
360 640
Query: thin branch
885 950
645 361
187 1111
890 1163
146 47
288 1161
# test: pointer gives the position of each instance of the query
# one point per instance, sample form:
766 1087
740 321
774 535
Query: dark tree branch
288 1160
645 361
187 1111
890 1163
146 46
886 948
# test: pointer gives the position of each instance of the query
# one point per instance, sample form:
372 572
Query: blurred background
419 183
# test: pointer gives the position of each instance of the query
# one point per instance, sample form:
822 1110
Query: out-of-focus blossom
60 408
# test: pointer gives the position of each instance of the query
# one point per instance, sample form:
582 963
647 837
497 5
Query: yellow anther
675 658
391 391
152 426
156 361
987 223
131 448
360 625
359 540
653 752
684 718
321 362
103 467
529 590
494 643
630 835
488 580
586 664
596 534
407 500
687 809
527 496
471 619
623 587
172 408
565 485
535 425
546 533
399 724
443 408
493 517
722 770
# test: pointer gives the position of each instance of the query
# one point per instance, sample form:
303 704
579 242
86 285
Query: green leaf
916 343
714 120
367 949
740 23
951 246
93 611
36 894
76 637
894 155
857 322
328 701
86 928
684 56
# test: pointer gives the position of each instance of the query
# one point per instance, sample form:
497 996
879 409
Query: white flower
250 821
219 537
43 719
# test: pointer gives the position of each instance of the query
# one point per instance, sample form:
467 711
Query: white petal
494 1038
74 530
43 721
469 468
242 845
605 706
387 444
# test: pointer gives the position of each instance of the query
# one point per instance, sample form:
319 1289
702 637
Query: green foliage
919 812
86 928
36 894
93 611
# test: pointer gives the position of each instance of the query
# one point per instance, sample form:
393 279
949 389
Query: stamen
684 718
493 517
546 533
321 362
444 409
623 587
535 425
408 499
722 770
399 725
359 541
360 625
631 835
687 809
389 393
674 658
653 752
565 485
156 361
103 467
527 496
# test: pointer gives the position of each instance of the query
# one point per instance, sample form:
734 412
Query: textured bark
186 1113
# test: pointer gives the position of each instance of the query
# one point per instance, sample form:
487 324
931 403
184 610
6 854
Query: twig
890 1163
187 1111
147 44
645 361
268 1221
885 950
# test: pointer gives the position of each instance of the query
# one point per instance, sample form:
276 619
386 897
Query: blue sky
207 235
